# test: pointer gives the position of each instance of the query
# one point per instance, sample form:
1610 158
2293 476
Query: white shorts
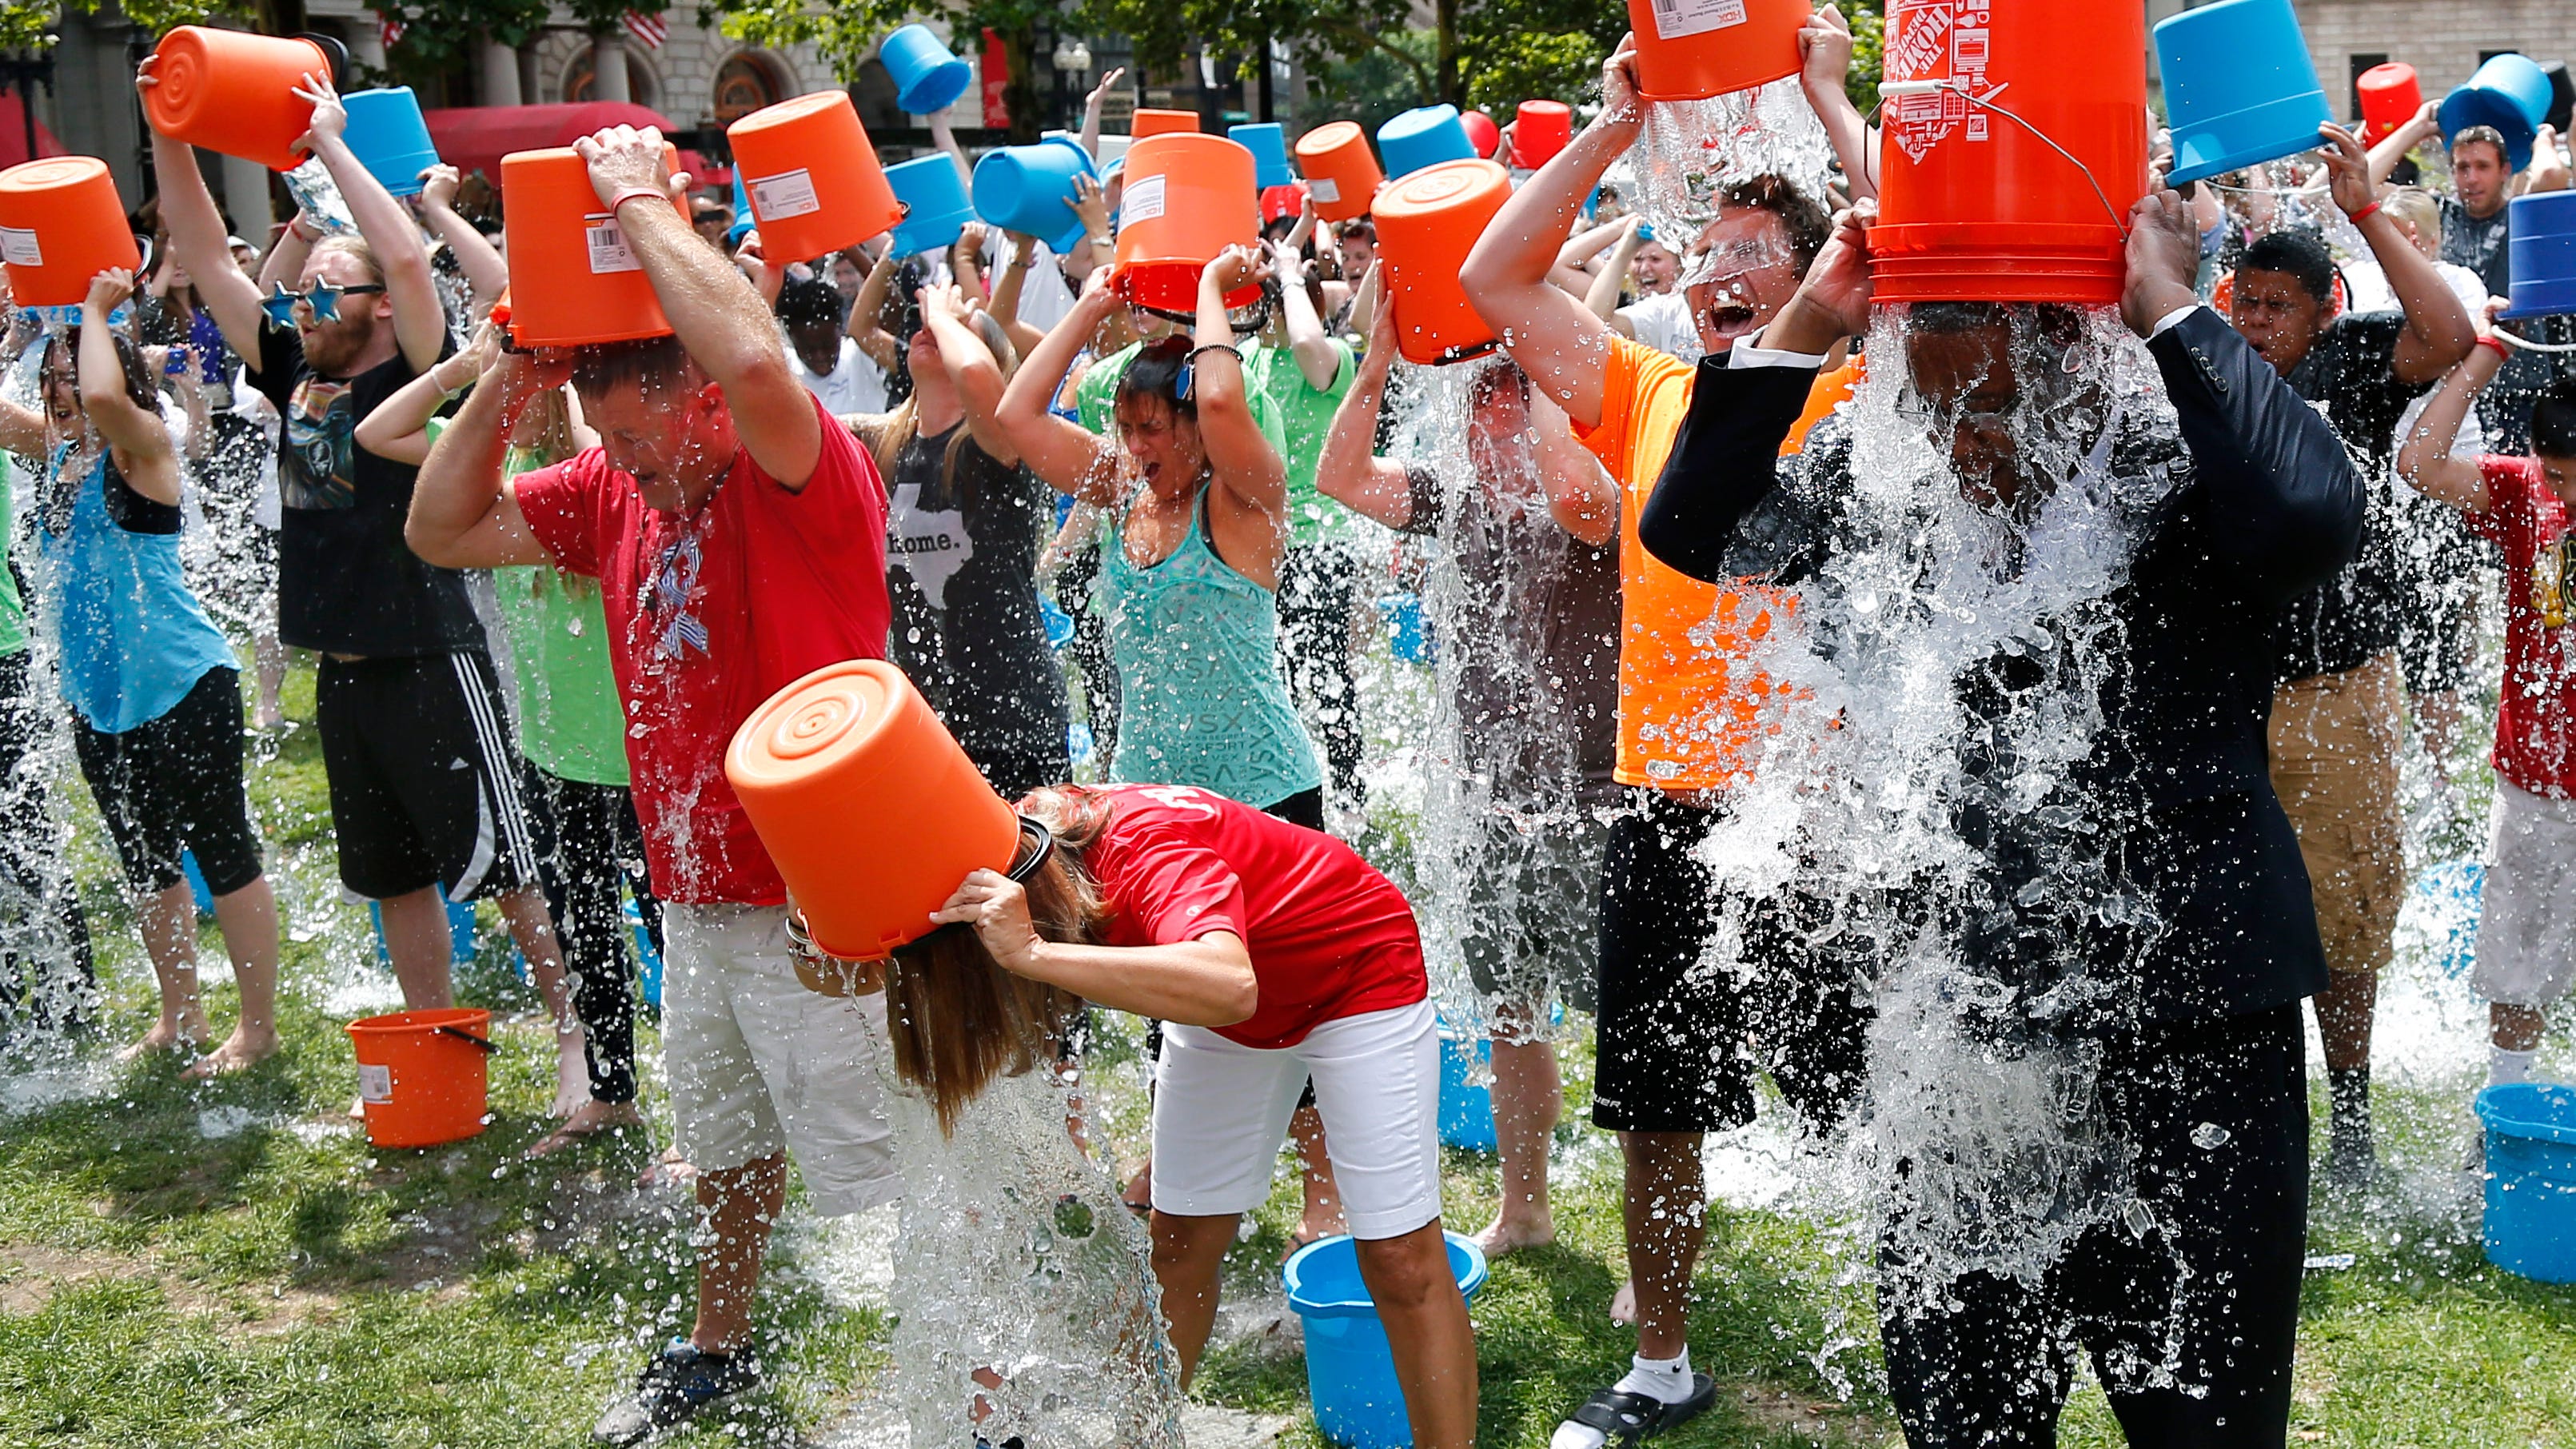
1221 1110
758 1065
2527 930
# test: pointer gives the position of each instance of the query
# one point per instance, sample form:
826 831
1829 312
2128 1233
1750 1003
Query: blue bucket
743 220
2450 894
1268 144
936 198
460 931
1029 190
927 75
2543 228
2511 93
2531 1179
1466 1109
389 137
1423 136
2239 86
1350 1371
1408 631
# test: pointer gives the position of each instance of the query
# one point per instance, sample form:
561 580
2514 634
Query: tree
35 27
847 31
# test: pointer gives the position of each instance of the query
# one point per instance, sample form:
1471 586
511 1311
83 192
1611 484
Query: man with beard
2186 1294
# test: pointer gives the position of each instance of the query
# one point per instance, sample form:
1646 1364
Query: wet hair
62 359
812 302
1357 226
647 363
2553 421
2300 255
1155 372
2483 136
1806 220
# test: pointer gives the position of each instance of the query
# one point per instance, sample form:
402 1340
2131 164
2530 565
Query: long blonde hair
895 432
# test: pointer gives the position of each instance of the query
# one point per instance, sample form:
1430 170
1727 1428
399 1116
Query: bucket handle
1891 89
467 1037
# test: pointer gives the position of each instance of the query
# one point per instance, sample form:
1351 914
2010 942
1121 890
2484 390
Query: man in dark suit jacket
2187 1297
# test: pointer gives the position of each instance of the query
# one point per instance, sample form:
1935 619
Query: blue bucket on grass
1466 1109
2511 93
1408 631
1029 190
1350 1371
1268 143
2452 895
927 75
2531 1179
2239 86
390 138
460 931
929 185
1423 136
2544 254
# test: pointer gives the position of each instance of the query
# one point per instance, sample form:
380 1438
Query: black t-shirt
346 581
2481 244
2351 372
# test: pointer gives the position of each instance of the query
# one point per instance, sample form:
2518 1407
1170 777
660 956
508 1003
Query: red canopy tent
13 132
475 138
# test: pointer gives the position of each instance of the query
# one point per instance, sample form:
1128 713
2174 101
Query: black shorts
174 784
424 777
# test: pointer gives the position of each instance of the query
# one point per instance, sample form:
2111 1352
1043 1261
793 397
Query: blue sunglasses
322 299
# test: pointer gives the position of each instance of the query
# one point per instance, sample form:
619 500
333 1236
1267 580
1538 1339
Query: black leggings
173 784
588 845
45 965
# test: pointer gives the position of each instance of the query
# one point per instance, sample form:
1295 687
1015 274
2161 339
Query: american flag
391 27
649 30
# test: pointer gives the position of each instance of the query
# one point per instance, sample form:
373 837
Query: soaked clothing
585 834
2351 373
964 533
173 784
2526 947
133 639
424 776
2484 245
2536 727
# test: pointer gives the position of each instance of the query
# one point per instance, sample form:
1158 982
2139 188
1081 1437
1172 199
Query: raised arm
2424 126
720 320
485 272
1091 105
1318 355
1603 298
1582 497
866 325
1825 48
133 429
1063 455
972 368
944 136
2438 329
398 429
463 516
1245 464
196 231
2424 457
420 319
1348 471
1017 253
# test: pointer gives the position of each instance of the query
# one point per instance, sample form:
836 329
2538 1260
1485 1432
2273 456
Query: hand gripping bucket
234 92
2239 87
812 177
61 223
1423 136
1188 198
2511 93
872 812
1029 190
1690 50
574 279
1150 122
2010 179
1426 224
935 208
1541 129
2531 1179
1350 1370
2391 94
390 137
927 76
1268 144
1341 173
2543 227
423 1075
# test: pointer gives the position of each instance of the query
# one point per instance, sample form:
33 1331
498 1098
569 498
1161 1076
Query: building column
246 196
608 67
366 44
532 87
500 74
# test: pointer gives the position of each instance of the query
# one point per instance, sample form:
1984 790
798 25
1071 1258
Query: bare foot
1623 1305
1506 1235
589 1119
572 1078
674 1170
165 1035
240 1050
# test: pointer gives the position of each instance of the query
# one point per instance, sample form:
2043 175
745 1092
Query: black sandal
1626 1418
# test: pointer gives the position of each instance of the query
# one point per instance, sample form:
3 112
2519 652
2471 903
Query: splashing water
1690 152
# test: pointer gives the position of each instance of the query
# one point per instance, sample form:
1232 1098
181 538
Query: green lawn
230 1264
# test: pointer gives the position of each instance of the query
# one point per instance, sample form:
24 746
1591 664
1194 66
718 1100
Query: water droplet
2209 1135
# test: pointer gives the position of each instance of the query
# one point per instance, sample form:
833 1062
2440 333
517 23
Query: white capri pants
2527 936
1221 1110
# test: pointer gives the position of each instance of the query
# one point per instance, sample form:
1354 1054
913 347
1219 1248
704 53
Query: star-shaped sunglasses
322 299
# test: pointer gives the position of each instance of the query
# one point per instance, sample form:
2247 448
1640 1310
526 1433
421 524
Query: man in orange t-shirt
1673 1062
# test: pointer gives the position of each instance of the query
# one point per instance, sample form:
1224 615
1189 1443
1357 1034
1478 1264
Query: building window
2360 63
744 84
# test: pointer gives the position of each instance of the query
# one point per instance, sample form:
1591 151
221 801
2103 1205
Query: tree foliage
37 27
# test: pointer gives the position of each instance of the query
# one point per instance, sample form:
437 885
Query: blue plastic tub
2239 86
1466 1110
931 187
2544 254
1423 136
1408 629
1029 190
2511 93
2531 1179
927 75
1350 1371
390 138
1268 143
2452 893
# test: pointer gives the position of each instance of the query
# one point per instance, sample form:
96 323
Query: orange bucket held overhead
1426 224
1341 171
61 223
574 277
1151 122
423 1076
812 176
1690 50
2015 144
234 92
871 811
1188 197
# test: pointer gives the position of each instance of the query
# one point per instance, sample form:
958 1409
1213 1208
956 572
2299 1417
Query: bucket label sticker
789 193
608 249
1677 18
18 247
1324 189
375 1084
1143 202
1937 40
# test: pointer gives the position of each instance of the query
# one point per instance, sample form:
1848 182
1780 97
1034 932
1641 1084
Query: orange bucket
1690 50
1978 206
61 223
871 811
1426 224
423 1075
1342 174
234 92
1188 198
812 176
574 280
1150 122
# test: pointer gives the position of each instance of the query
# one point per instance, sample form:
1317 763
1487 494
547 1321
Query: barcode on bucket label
1324 189
789 193
1143 202
18 247
608 249
1677 18
375 1084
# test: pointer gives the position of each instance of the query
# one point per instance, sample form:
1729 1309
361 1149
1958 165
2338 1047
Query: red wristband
632 192
2498 343
2358 217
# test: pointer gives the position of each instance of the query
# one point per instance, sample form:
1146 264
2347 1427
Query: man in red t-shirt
2527 931
738 535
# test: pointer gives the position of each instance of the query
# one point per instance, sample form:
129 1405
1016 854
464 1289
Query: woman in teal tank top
1197 502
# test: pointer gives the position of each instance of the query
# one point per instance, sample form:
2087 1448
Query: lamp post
1072 60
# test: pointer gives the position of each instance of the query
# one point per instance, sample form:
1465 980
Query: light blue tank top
1201 700
132 636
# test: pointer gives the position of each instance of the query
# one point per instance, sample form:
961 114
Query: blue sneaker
678 1385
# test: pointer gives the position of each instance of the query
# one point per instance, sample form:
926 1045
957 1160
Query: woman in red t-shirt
1272 953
